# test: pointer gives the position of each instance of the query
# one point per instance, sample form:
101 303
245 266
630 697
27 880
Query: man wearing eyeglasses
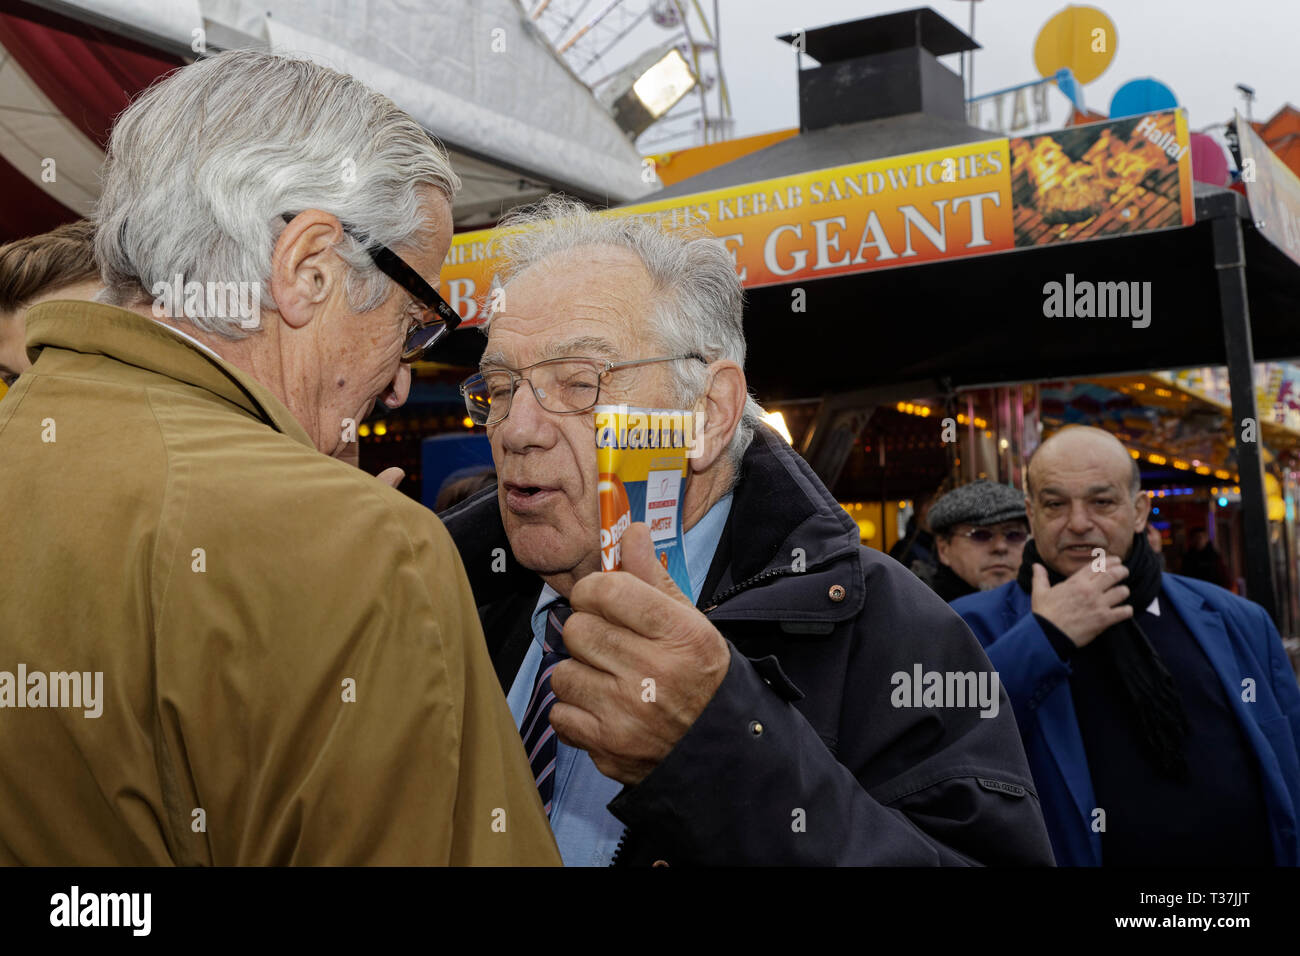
980 530
276 657
748 722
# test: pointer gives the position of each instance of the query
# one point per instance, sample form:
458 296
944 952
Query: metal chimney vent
878 67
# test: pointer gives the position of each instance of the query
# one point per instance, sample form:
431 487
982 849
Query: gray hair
698 299
201 167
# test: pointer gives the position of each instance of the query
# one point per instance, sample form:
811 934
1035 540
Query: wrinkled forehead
592 301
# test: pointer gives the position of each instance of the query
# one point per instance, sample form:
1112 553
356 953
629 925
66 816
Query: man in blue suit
1160 713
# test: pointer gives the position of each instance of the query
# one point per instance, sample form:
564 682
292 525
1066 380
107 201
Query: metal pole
972 52
587 26
884 540
1234 309
971 471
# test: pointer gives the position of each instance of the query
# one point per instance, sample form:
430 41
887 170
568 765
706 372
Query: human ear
718 413
1143 510
305 270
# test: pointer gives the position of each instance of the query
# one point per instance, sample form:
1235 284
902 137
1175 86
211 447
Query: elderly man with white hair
776 733
231 647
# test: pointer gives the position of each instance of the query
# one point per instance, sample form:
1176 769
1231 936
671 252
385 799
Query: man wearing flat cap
980 530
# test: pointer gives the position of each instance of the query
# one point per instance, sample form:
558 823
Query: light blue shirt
586 832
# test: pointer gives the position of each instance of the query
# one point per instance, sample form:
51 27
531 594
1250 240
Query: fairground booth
927 299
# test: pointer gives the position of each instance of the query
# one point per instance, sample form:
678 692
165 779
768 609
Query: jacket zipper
618 850
744 585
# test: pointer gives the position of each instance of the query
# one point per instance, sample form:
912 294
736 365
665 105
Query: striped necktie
538 734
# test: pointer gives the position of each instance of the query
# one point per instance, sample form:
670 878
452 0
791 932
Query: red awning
90 75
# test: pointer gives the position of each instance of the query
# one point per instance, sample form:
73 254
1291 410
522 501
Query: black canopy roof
979 321
919 26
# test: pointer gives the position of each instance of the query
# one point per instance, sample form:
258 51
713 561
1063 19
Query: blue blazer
1242 644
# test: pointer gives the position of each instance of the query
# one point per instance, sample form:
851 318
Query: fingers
1115 595
625 600
1115 615
1109 580
391 476
574 726
639 560
596 642
1090 577
1115 564
577 683
1041 582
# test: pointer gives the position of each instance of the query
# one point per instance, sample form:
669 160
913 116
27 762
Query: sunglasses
984 535
437 317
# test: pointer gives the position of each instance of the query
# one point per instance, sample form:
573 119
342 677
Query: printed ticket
642 455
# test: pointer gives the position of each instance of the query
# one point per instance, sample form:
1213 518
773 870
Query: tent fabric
479 76
61 85
89 76
27 210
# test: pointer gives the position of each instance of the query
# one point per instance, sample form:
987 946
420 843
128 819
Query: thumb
1041 582
639 559
391 476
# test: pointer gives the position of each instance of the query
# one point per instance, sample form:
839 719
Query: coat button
756 728
659 863
836 593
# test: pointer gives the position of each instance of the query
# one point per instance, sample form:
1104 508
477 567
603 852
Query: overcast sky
1198 48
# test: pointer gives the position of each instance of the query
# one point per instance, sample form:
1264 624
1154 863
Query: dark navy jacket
1241 643
817 626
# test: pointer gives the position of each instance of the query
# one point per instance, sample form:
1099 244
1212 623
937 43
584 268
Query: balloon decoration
1081 39
1209 161
1146 95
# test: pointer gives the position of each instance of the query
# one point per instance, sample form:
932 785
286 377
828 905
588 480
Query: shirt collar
190 338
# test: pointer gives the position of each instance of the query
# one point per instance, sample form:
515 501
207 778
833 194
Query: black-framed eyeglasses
565 386
437 317
985 535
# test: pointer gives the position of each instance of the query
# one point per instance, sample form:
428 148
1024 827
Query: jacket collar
782 518
91 328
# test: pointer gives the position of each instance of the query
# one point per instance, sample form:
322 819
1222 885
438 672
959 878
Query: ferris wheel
655 64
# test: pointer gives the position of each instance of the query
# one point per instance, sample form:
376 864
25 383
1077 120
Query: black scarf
1147 685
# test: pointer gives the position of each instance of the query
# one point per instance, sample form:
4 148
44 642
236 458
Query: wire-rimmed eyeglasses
564 386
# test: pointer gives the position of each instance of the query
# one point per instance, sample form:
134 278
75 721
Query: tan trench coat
293 671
